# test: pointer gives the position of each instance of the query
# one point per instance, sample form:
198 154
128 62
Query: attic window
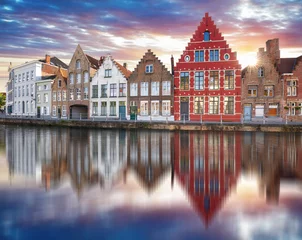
261 72
149 68
108 73
206 36
78 64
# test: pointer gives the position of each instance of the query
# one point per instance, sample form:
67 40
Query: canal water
73 183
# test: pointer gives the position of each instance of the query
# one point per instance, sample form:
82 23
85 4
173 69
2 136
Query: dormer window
149 68
108 73
78 64
261 72
206 36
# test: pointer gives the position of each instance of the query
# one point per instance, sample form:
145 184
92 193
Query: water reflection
206 165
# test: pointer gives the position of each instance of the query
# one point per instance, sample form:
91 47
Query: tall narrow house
207 78
81 68
150 90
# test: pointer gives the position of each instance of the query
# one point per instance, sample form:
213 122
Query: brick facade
207 78
150 88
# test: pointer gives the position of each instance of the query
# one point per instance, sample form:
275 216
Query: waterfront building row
206 84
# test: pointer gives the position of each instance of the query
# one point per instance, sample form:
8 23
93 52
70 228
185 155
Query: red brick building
207 78
207 166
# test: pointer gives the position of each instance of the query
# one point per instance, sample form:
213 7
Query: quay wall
190 126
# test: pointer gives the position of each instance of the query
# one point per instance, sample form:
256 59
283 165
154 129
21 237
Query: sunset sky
127 28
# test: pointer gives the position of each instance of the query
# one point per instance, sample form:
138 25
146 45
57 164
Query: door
38 112
133 112
122 111
184 110
247 112
59 112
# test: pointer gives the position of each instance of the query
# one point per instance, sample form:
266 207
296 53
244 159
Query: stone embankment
190 126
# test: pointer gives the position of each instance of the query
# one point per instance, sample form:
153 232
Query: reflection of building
272 157
150 154
207 166
108 152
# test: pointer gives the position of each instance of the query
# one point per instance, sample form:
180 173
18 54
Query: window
199 56
199 80
27 76
108 73
144 88
214 80
94 109
149 68
103 109
54 110
38 98
31 75
32 106
54 96
261 72
23 77
132 103
64 95
144 108
78 77
184 81
214 105
45 110
268 91
214 55
133 89
154 108
122 90
46 97
23 90
71 94
112 108
206 36
229 79
166 88
19 91
229 105
199 186
252 91
27 90
198 105
71 78
166 106
85 93
113 92
104 90
45 87
95 91
86 76
59 96
292 88
78 93
155 88
78 64
59 83
64 110
32 88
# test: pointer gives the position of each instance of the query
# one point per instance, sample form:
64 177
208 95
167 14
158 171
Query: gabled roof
122 69
48 77
94 63
56 62
287 65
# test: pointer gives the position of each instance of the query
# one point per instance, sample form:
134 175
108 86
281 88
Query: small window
261 72
59 83
149 68
78 64
206 36
108 73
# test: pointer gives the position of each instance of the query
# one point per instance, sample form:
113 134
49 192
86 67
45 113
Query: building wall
189 64
100 80
159 74
82 85
267 60
293 103
43 97
58 102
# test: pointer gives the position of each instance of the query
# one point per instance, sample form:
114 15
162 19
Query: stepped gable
149 55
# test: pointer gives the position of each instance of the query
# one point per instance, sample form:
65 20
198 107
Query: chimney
47 59
172 65
125 65
272 49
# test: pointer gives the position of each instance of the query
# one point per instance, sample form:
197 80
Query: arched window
71 80
206 36
78 64
86 76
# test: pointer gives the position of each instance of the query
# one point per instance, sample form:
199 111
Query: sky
126 29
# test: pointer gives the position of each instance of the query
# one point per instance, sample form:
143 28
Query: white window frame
133 89
166 88
144 88
144 108
54 111
149 68
64 110
166 107
154 108
155 89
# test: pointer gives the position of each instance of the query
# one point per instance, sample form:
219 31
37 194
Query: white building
24 86
108 93
43 96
